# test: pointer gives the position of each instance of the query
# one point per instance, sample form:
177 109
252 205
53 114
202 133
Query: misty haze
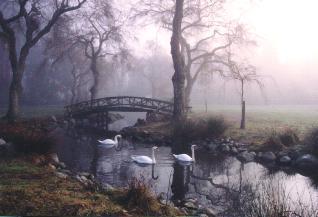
159 108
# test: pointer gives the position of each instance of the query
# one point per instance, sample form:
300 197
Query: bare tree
79 77
101 36
244 73
204 32
155 66
32 16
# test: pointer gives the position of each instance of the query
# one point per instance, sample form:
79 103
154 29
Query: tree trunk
243 106
14 97
74 85
178 79
243 116
95 86
15 91
188 90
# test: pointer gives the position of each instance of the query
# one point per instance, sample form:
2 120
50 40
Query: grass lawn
261 121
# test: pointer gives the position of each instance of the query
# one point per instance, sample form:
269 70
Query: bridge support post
105 116
148 115
102 120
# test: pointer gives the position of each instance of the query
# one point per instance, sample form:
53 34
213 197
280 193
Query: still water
215 181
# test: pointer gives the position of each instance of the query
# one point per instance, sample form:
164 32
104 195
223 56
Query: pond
220 182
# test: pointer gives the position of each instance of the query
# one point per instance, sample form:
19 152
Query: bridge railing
141 103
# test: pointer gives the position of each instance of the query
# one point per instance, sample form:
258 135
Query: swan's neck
116 139
153 156
193 157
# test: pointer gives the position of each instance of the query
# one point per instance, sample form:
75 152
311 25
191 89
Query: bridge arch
101 107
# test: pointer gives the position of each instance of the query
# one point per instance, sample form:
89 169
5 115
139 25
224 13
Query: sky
288 26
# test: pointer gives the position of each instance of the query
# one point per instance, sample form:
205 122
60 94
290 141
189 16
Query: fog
284 53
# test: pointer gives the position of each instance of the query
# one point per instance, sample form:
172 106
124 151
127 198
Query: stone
306 162
246 156
185 210
234 150
210 212
68 172
86 174
90 182
295 154
83 178
267 157
242 149
203 215
78 178
285 160
164 202
51 166
73 121
61 165
53 118
225 148
190 205
54 158
191 200
61 175
212 147
91 177
2 142
65 123
107 187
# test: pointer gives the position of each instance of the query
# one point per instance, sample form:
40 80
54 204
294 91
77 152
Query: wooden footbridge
102 106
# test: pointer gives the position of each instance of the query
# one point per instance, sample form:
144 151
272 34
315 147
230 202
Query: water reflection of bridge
101 107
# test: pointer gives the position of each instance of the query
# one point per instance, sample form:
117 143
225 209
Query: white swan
145 159
185 157
109 143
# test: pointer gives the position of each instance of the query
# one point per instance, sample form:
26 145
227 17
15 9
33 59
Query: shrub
289 137
216 127
139 196
190 129
279 141
268 198
311 141
273 200
28 136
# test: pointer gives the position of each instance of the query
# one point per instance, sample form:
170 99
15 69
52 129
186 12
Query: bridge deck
121 104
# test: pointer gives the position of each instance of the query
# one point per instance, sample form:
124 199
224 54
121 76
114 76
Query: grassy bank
262 121
28 189
36 111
